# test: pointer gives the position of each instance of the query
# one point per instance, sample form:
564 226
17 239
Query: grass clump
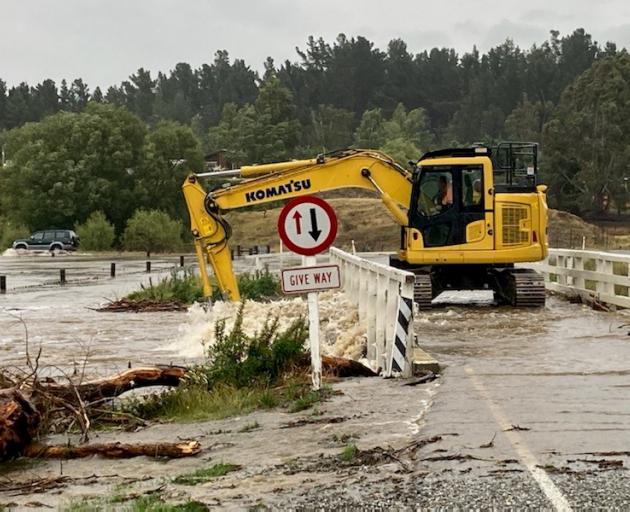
254 425
206 474
349 452
241 373
309 399
149 503
185 288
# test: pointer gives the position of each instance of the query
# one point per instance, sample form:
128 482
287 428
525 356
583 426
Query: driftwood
22 410
21 413
142 306
110 387
113 450
19 420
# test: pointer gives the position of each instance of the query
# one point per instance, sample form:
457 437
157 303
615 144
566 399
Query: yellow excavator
467 215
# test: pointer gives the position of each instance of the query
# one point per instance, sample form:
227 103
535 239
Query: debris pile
142 306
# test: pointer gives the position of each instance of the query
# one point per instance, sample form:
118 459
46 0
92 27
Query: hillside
366 221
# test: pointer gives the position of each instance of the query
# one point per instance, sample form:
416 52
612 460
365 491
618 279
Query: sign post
313 330
308 226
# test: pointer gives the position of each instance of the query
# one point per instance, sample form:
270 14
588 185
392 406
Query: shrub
96 233
9 232
237 377
185 288
238 360
152 231
257 286
261 285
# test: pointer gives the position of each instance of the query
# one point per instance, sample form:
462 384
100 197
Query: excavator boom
260 184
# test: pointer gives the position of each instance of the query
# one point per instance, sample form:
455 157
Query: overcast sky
104 41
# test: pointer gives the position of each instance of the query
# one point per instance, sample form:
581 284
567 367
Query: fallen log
113 450
21 411
110 387
19 420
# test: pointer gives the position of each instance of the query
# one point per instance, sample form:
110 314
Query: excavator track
422 290
520 287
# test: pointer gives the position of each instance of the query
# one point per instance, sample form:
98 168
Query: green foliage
526 121
206 474
96 233
152 231
330 128
148 503
69 165
307 400
259 286
401 137
185 288
238 376
264 131
71 152
349 452
588 142
192 401
239 360
171 151
9 231
370 133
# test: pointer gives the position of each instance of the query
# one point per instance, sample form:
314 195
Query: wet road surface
539 396
531 411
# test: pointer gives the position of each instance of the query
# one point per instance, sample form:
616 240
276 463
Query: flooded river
63 320
521 391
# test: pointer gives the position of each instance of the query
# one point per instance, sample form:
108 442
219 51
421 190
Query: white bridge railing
603 275
380 293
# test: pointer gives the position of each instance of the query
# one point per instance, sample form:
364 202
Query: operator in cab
444 197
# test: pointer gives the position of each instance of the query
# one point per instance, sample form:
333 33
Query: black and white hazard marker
399 357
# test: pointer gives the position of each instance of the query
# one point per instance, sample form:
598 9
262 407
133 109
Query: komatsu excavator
467 215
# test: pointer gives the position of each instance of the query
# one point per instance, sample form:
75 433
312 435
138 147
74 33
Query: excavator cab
475 212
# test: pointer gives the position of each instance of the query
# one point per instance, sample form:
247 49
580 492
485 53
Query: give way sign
307 225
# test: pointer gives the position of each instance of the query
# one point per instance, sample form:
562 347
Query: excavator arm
261 184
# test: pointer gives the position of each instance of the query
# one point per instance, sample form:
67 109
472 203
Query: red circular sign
307 225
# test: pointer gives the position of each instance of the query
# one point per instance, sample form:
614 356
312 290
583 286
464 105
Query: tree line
71 150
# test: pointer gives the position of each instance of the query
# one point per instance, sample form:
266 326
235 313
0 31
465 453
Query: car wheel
21 248
55 249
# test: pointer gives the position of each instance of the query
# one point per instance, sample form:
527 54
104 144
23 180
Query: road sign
307 225
310 279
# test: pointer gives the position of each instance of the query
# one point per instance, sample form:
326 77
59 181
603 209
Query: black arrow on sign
314 232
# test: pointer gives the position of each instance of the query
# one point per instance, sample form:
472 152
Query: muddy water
62 319
561 373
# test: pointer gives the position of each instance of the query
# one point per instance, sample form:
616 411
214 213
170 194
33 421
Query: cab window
38 236
472 189
435 192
